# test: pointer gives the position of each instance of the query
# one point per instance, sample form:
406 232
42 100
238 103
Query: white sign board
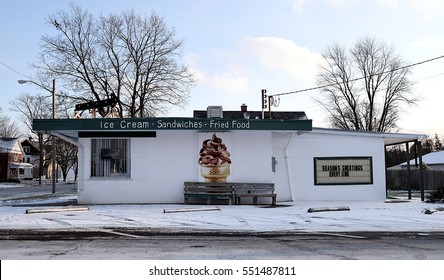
343 170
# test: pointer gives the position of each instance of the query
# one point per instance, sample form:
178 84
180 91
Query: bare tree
131 57
365 88
8 128
33 107
66 157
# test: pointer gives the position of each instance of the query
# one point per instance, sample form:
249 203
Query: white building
148 160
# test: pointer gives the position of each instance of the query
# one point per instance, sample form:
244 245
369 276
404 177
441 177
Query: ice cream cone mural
214 160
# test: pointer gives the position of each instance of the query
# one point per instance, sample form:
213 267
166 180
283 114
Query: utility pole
264 101
53 160
54 172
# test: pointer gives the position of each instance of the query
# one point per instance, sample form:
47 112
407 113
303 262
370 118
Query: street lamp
53 92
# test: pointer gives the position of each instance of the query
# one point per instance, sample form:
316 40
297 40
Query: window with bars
110 158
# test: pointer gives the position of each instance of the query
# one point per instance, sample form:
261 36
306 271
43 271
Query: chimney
243 107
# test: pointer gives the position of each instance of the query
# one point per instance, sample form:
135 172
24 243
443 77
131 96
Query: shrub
436 195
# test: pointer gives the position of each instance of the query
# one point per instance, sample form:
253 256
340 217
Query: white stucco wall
251 156
305 147
160 165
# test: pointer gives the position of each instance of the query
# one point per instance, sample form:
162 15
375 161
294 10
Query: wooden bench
228 190
208 191
254 190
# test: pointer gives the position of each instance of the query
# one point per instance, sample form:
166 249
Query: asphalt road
33 188
111 245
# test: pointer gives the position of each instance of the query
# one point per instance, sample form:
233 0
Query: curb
106 232
56 210
326 209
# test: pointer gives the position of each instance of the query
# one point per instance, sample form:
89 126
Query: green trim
340 169
117 134
140 124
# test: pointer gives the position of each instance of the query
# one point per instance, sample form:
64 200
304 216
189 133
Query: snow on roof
20 165
9 144
430 158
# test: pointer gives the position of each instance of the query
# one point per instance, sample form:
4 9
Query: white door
279 165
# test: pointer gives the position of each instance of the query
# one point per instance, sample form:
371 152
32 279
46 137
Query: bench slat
196 189
209 196
256 195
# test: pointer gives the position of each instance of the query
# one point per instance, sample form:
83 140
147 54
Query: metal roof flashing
390 138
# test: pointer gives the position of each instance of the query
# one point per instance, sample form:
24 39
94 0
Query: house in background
12 166
399 177
433 161
32 155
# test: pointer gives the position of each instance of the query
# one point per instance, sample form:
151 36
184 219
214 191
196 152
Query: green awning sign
131 124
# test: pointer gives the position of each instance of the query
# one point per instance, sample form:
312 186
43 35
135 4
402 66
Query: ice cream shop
147 160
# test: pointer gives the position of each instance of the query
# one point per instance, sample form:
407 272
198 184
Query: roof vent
214 112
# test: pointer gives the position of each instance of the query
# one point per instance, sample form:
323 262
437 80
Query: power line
433 76
357 79
12 69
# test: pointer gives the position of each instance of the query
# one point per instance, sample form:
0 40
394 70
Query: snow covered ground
391 216
291 217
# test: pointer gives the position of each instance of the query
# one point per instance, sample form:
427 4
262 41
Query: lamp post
53 162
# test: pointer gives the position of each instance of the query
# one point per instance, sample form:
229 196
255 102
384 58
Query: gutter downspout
288 166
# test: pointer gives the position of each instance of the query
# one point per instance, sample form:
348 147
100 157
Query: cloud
229 83
341 3
389 3
430 9
429 41
228 80
193 60
233 71
283 55
298 5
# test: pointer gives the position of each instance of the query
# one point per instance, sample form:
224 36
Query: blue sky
236 48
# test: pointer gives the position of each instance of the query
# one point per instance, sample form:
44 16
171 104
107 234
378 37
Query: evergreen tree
427 146
438 145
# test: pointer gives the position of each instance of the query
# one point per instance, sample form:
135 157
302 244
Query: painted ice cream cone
214 160
213 173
